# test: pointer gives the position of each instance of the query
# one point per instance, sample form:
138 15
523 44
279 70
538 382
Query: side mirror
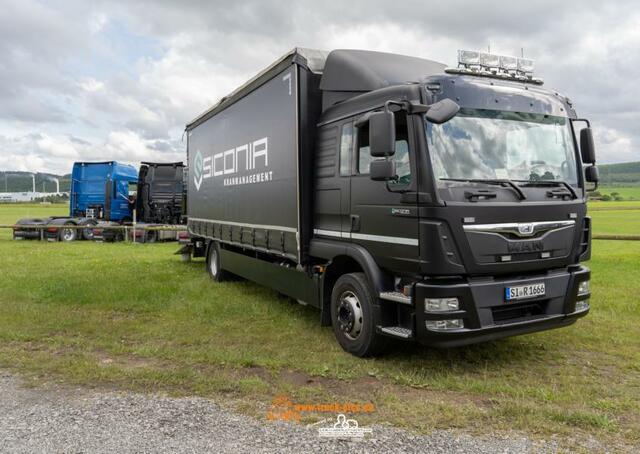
591 174
382 170
442 111
382 134
587 146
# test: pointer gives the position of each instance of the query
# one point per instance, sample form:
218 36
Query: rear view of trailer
247 156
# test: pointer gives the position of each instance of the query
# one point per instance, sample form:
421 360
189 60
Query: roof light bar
492 65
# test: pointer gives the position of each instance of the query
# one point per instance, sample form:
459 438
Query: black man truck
402 198
159 200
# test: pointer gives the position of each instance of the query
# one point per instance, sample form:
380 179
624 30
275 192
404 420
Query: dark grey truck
402 198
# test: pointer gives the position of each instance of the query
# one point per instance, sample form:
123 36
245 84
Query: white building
12 197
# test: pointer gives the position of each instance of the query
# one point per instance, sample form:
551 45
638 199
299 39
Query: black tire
214 267
353 317
68 235
87 234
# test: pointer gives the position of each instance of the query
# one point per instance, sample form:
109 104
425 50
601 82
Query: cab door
378 219
333 160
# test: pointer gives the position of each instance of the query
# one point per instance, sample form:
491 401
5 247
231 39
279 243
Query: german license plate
524 291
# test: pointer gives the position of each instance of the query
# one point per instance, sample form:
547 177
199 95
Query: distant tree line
626 174
23 182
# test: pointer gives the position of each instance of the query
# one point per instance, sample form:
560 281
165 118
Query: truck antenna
522 52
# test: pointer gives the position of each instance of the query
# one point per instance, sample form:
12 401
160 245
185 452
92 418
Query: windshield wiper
496 182
552 183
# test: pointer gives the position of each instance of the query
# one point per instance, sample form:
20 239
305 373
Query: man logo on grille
525 229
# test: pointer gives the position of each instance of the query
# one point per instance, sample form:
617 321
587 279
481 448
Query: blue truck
99 193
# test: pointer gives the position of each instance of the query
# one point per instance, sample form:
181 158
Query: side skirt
287 280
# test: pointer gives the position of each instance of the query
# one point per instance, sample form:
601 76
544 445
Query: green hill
22 182
625 174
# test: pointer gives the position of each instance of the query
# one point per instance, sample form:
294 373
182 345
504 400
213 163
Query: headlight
441 304
583 288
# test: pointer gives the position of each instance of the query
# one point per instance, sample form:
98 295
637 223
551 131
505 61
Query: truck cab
475 223
160 192
99 195
100 190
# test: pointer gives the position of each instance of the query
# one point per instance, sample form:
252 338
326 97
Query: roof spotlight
468 57
508 63
525 65
489 60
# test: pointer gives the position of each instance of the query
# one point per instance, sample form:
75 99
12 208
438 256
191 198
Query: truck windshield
499 145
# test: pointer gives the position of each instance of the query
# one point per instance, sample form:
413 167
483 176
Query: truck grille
518 312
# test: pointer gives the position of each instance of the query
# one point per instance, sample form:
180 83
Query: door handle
355 223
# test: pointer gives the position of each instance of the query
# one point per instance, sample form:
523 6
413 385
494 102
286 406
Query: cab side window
346 145
401 156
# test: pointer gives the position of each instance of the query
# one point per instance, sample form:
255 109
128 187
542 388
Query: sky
118 80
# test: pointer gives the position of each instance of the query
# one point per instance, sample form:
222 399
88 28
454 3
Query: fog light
441 304
444 325
582 305
583 288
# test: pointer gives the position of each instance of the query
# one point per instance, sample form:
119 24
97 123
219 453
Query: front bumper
487 316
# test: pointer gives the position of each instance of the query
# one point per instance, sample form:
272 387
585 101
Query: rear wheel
213 263
352 316
68 234
87 234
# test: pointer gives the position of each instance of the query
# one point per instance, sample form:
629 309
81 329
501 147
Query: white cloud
127 76
97 22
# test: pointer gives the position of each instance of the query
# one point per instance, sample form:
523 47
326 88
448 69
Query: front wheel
352 316
213 263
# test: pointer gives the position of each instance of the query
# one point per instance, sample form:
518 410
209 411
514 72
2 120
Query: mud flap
186 249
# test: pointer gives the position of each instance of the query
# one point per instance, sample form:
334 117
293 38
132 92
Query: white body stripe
367 237
252 226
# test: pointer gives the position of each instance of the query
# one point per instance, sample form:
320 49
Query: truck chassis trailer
102 198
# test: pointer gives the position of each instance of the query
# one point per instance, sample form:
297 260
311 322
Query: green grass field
625 192
621 218
132 316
